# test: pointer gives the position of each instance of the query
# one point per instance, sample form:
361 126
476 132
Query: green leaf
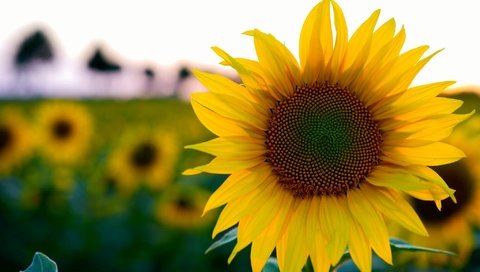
41 263
400 245
226 238
271 265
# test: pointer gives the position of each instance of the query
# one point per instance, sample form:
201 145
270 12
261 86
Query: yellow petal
254 68
412 99
440 189
334 225
223 85
435 129
382 36
390 82
313 223
313 53
221 166
237 209
216 123
239 148
341 42
357 41
418 181
263 245
359 248
377 67
349 77
293 244
371 222
392 205
254 224
230 109
398 179
436 106
247 78
318 255
280 66
406 79
237 185
433 154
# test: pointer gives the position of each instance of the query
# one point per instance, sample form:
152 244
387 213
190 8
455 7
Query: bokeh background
94 114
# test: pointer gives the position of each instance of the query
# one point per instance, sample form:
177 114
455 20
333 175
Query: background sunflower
64 131
146 157
15 139
181 207
452 228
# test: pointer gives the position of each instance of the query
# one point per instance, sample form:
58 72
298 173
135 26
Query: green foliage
41 263
271 266
228 237
400 245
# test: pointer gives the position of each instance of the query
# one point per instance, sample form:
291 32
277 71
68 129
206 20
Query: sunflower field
97 186
332 161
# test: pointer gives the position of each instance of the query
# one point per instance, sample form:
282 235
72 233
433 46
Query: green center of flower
62 129
457 176
322 141
144 155
5 137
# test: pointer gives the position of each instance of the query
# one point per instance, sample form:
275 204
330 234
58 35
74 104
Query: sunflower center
184 204
5 138
62 129
457 176
144 155
322 141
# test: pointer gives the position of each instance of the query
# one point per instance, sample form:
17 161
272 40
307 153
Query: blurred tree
100 64
149 73
183 74
35 49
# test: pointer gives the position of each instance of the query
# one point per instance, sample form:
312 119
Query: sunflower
148 157
15 141
64 130
318 152
182 208
460 218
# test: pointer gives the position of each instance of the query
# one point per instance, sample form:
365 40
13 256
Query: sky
165 32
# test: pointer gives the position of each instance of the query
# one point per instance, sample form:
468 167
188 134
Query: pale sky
166 31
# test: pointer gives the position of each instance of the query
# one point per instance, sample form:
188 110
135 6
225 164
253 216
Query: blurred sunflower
182 208
460 218
64 130
15 141
319 152
148 157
